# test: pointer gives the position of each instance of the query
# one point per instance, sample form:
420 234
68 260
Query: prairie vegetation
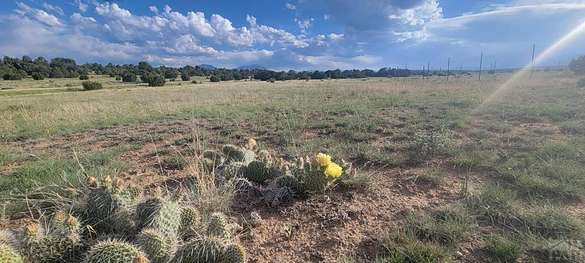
445 173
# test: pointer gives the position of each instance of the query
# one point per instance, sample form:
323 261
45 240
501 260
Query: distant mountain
254 66
207 66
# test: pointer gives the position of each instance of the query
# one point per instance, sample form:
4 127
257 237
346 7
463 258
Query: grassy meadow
518 159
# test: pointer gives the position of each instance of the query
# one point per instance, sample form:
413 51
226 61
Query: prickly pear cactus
315 182
214 156
233 253
57 244
9 255
157 245
218 226
162 215
112 251
190 220
259 172
288 181
233 170
204 250
236 154
108 211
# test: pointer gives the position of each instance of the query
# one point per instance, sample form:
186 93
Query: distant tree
83 77
185 77
91 85
214 78
578 65
153 79
128 77
37 76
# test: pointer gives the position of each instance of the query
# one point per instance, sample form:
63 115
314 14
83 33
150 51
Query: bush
185 77
214 79
37 76
91 85
12 76
128 77
83 77
153 79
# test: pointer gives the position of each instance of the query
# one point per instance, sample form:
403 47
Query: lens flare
550 51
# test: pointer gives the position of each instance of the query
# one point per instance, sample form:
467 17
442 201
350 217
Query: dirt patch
326 228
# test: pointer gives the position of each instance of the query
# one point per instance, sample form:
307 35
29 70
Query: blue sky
292 34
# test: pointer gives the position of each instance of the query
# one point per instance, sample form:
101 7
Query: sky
293 34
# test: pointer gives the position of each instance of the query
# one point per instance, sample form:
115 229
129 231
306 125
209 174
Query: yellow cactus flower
323 159
333 170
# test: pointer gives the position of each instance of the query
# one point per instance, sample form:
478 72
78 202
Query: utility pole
428 68
448 68
532 68
480 65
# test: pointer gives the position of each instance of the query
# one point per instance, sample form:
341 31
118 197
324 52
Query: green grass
62 170
502 250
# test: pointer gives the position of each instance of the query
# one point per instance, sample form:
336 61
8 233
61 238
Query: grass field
455 176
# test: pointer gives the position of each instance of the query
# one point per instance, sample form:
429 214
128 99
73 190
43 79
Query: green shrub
128 77
37 76
12 76
91 85
185 77
83 77
153 79
214 79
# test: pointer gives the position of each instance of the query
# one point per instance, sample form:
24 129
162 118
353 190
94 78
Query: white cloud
290 6
304 24
38 15
81 5
52 8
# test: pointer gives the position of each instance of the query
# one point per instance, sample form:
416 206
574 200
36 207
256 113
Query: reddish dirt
327 228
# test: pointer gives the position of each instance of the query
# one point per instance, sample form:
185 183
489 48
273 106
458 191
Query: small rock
255 219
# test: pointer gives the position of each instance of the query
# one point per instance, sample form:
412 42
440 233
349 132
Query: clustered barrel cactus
278 180
115 224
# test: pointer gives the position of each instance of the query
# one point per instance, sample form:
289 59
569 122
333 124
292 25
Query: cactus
205 250
108 211
233 170
258 172
288 181
215 157
112 251
233 253
157 245
59 243
315 181
190 219
65 225
218 226
9 255
237 154
155 213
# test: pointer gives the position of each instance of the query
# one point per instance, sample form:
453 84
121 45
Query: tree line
41 68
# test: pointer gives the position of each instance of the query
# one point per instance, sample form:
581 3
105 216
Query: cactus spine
155 213
190 220
218 226
9 255
157 245
205 250
259 172
233 253
112 251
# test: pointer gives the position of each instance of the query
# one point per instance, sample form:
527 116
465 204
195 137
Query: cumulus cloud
290 6
112 33
38 14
